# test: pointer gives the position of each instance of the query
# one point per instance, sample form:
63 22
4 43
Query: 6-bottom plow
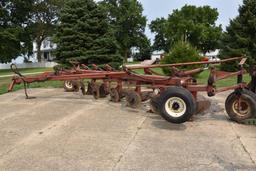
174 96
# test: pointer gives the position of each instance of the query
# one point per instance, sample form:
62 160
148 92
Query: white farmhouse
47 57
47 49
157 55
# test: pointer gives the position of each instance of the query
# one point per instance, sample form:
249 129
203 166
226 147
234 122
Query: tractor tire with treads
247 105
176 104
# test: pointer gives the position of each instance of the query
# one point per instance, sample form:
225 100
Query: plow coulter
174 97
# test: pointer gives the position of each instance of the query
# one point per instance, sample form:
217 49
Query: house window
46 43
46 55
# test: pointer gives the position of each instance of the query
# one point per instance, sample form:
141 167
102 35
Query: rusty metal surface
114 95
186 63
152 79
105 80
180 73
96 91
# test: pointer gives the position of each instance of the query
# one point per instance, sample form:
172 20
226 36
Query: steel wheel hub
175 107
69 84
241 107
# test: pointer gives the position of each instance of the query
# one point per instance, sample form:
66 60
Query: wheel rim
69 84
175 107
241 108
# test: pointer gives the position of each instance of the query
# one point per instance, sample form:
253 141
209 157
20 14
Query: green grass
157 70
131 63
5 81
47 84
24 70
203 77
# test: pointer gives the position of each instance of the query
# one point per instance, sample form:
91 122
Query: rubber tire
182 93
66 88
75 86
247 95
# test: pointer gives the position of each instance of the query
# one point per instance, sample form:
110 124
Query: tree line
105 31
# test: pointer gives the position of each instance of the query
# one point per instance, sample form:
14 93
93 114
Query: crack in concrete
243 146
130 142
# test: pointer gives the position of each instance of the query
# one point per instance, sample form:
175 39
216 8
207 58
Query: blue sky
153 9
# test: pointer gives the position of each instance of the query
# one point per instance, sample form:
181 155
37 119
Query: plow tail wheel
241 105
71 86
176 104
68 86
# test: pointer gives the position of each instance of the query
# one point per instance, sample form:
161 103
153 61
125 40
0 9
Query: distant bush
229 66
181 52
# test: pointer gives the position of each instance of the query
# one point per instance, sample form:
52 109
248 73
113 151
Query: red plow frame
150 85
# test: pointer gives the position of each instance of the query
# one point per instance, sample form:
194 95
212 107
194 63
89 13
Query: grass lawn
24 70
203 77
4 82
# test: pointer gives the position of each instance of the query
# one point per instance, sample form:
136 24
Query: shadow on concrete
226 165
210 116
163 124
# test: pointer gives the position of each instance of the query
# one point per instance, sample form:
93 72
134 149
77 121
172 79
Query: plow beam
184 64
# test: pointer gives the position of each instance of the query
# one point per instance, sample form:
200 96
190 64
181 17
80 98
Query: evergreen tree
85 35
240 38
181 52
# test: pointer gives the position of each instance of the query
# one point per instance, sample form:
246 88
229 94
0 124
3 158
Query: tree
239 38
128 22
43 20
85 35
158 27
181 52
192 24
13 17
145 50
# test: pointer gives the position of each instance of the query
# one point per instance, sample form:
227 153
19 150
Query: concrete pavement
65 131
